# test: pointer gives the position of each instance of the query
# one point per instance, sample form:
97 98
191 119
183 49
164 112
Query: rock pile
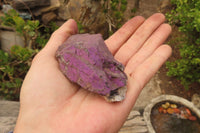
87 12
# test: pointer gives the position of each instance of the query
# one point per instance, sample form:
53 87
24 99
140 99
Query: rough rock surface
9 108
8 115
86 60
134 124
10 38
54 5
48 17
25 4
7 124
196 100
87 12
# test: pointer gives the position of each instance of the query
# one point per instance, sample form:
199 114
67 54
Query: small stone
89 13
54 5
196 100
10 38
26 4
173 106
166 105
86 60
192 118
6 8
133 114
48 17
170 110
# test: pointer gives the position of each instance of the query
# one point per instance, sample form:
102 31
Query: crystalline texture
85 60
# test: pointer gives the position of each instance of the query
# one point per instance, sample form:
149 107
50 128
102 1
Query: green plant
80 28
27 29
114 11
186 15
13 68
42 38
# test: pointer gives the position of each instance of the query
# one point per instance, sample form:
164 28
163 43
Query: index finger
60 35
115 41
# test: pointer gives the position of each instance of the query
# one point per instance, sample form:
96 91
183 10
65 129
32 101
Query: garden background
25 27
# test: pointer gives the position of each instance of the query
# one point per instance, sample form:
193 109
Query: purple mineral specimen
86 60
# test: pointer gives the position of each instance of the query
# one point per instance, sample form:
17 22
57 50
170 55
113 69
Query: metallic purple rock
86 60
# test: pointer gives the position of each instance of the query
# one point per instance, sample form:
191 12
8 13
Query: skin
50 103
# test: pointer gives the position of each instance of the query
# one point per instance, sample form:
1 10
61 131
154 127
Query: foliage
42 38
14 66
186 15
114 10
27 29
80 28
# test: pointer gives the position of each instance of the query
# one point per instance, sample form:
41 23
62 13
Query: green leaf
19 24
186 15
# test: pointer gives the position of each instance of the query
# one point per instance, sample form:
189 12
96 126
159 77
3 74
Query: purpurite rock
86 60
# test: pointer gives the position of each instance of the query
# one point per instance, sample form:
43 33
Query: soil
169 85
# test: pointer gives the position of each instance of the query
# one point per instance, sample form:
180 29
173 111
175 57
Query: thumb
59 36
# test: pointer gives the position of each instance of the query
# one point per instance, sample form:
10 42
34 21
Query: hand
50 103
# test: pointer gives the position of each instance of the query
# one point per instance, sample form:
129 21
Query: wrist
31 124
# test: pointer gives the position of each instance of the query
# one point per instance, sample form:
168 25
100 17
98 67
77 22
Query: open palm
50 103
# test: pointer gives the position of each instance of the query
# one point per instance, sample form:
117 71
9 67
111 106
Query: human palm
50 103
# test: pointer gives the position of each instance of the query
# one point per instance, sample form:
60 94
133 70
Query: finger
115 41
143 73
56 39
44 63
59 36
157 38
136 41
